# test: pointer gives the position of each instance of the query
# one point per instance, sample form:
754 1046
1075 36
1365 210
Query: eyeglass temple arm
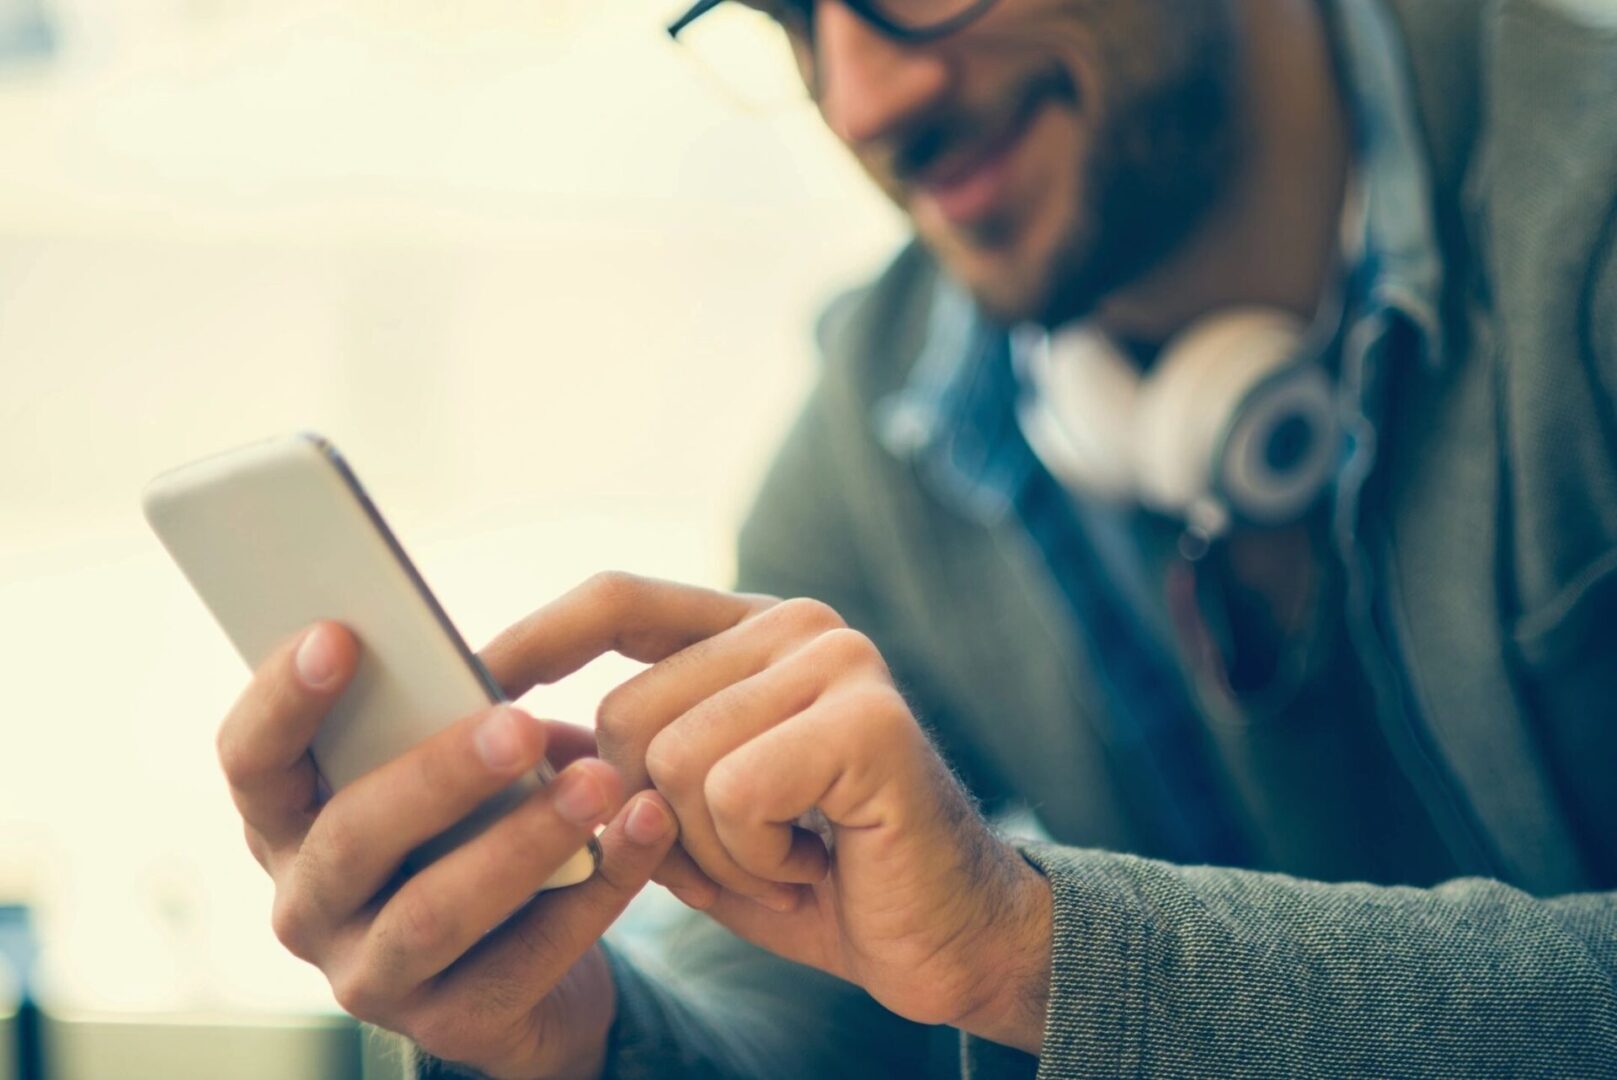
700 8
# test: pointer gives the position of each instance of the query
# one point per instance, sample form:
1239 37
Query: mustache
936 137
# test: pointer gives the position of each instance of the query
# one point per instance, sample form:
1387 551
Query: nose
868 86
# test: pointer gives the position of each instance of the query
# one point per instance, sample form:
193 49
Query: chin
1017 265
1007 292
1007 302
1013 281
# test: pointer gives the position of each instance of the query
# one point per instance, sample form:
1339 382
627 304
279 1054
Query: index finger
642 618
264 741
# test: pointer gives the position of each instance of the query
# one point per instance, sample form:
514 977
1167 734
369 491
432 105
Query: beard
1164 149
1160 162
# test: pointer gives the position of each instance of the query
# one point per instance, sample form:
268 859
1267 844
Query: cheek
1053 195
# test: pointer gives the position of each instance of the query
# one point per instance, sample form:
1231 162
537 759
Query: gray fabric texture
1173 971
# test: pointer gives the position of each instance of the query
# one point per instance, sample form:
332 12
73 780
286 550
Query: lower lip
972 196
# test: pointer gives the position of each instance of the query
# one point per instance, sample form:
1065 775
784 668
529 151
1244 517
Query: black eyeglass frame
871 13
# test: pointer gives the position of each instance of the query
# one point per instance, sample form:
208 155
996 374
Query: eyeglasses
912 21
741 42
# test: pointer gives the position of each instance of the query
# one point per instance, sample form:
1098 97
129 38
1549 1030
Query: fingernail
578 798
498 741
646 823
316 659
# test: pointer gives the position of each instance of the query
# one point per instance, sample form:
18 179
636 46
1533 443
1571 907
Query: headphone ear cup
1282 447
1080 422
1193 397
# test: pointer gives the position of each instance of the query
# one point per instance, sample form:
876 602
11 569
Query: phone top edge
154 488
322 444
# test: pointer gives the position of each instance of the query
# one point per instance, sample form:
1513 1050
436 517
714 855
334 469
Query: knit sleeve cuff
1093 1025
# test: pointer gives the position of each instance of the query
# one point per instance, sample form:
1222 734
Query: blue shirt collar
954 417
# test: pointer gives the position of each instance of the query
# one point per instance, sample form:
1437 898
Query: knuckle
884 714
758 603
292 920
846 648
614 715
618 590
731 792
360 994
884 704
807 614
670 763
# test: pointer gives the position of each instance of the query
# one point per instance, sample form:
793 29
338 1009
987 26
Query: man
1366 745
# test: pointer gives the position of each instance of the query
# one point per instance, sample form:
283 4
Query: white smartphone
279 535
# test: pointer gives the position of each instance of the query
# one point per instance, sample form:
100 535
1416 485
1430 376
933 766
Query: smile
971 186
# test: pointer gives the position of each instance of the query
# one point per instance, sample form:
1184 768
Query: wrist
1014 961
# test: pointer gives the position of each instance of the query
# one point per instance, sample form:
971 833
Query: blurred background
547 288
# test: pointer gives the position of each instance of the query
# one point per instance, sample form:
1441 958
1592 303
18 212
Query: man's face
1052 151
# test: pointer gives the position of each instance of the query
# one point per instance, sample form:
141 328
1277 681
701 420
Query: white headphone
1235 421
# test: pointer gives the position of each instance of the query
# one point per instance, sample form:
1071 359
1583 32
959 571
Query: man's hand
775 713
461 956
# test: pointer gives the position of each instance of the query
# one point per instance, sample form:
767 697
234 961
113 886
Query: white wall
549 294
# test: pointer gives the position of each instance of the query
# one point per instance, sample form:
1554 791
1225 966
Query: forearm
1170 971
